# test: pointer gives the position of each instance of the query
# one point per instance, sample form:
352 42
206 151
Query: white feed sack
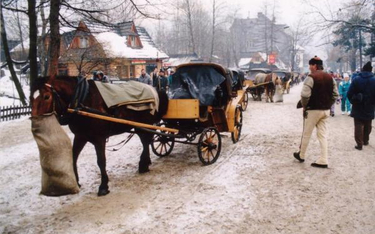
278 97
56 160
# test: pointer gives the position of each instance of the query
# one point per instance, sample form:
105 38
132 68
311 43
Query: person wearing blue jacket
343 90
362 95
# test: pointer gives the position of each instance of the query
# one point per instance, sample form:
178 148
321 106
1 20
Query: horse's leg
78 144
272 93
267 93
100 154
145 159
259 93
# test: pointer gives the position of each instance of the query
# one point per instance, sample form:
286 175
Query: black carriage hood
196 82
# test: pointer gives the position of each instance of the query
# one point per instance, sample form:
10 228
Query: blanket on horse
135 95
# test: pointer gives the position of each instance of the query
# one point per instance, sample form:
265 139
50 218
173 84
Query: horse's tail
163 104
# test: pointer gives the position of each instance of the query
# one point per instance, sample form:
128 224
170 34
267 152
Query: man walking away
362 95
319 92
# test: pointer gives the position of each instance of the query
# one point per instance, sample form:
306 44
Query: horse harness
80 94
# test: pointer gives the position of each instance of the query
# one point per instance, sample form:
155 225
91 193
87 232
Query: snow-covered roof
280 64
244 61
263 56
114 42
115 46
300 48
26 45
26 42
176 60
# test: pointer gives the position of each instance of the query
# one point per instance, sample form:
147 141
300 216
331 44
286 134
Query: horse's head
50 95
41 97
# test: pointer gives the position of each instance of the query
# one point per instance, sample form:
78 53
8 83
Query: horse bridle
80 94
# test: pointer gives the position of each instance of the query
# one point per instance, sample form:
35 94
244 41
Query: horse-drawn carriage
204 101
259 81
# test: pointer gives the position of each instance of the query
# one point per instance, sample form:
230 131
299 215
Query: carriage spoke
158 146
204 149
165 148
212 154
161 149
207 155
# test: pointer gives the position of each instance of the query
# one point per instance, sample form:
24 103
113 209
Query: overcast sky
286 12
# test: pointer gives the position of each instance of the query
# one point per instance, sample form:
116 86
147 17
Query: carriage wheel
209 146
236 134
245 101
162 145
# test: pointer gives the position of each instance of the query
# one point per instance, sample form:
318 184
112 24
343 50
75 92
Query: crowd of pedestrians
157 78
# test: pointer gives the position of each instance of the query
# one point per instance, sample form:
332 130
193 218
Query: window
250 44
132 71
63 72
83 42
125 72
118 71
132 41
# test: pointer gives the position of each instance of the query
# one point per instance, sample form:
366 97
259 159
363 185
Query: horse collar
80 93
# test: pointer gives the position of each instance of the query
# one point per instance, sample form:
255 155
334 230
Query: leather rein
80 94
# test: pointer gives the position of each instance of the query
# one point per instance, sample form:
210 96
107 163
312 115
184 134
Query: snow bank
8 91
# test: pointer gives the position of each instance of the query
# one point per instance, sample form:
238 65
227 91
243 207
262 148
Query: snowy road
256 186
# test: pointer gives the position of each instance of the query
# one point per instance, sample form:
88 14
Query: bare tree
188 7
301 36
217 6
9 59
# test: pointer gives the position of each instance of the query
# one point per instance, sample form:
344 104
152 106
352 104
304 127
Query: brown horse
56 95
269 82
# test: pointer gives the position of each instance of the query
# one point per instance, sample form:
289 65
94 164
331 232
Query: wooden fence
13 112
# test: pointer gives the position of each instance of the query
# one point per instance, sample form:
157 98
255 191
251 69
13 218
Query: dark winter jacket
319 91
364 83
161 83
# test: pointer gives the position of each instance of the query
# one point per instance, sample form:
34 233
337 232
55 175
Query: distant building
11 45
262 37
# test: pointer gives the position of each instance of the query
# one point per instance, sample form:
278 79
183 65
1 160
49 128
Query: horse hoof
79 185
103 192
142 171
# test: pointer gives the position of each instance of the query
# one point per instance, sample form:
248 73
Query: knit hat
316 60
346 75
367 67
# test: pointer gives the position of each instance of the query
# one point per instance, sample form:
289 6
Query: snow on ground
8 92
256 186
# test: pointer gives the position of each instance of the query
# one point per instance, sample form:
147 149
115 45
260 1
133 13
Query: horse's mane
38 83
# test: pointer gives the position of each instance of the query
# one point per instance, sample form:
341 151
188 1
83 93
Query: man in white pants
319 92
